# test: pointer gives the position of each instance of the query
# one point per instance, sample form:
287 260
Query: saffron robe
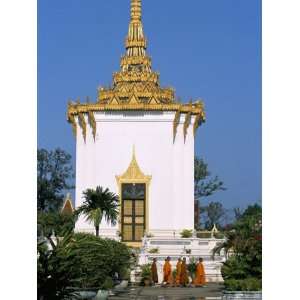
154 275
178 272
184 279
200 275
167 272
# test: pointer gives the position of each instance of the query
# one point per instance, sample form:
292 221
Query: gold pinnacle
136 10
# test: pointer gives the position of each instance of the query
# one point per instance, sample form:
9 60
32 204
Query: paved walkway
211 292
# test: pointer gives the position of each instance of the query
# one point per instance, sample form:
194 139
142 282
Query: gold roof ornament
215 229
135 86
67 207
133 172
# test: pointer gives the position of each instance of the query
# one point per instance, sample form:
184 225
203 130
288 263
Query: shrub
146 272
186 233
203 235
55 269
243 245
153 250
248 284
192 266
81 261
108 284
219 235
98 258
125 274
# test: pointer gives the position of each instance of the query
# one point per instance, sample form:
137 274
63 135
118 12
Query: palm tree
99 203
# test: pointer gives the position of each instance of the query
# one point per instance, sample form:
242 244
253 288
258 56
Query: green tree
59 224
99 203
213 213
54 176
204 185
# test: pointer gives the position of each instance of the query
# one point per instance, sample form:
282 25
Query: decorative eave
92 123
82 124
186 124
190 109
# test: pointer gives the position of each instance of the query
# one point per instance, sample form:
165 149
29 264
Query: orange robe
154 273
178 272
184 279
168 273
200 275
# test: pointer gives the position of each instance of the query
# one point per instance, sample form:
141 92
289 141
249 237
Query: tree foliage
204 184
56 267
243 247
99 203
54 174
54 223
212 214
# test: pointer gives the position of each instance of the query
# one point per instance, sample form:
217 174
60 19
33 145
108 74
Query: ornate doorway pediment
133 174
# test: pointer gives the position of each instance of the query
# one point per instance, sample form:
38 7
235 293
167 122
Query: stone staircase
191 248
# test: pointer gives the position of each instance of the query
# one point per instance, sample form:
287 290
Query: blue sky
209 49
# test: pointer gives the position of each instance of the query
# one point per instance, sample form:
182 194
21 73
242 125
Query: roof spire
136 42
136 10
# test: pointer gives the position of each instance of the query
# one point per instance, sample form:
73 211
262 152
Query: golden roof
135 86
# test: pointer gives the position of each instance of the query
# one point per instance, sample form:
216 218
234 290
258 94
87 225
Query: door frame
133 215
134 174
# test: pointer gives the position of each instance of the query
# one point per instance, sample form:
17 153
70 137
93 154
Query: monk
184 279
167 269
154 275
200 279
178 271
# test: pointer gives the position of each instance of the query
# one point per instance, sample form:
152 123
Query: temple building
137 140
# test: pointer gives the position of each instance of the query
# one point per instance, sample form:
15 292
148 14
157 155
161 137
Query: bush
192 266
248 284
243 245
153 250
55 269
108 284
235 268
98 258
203 235
219 235
186 233
80 261
146 272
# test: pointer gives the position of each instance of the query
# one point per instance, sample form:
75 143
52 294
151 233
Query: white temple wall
171 165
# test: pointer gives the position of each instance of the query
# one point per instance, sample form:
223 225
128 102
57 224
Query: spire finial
136 43
136 10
